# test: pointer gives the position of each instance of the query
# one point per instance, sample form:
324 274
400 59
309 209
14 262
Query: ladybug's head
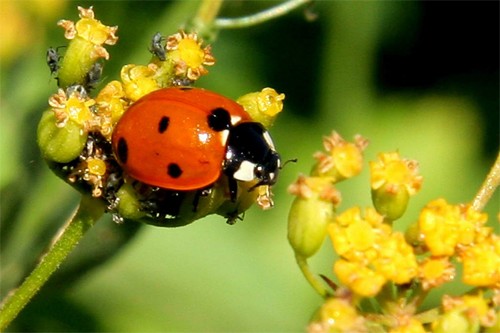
251 156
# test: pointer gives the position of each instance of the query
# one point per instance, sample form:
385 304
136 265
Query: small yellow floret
481 263
342 159
188 55
360 279
392 169
138 81
433 272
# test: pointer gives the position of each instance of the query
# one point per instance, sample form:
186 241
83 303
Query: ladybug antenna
293 160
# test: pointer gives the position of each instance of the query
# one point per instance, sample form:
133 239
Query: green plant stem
266 15
488 187
89 211
207 12
312 278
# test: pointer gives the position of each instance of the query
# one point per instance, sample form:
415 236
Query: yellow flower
481 263
338 315
90 30
111 105
342 159
395 259
263 106
264 197
393 181
95 171
362 280
434 271
186 51
392 170
443 226
356 238
75 108
91 169
87 37
138 81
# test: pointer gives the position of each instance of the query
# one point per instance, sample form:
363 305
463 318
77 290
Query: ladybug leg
233 188
200 193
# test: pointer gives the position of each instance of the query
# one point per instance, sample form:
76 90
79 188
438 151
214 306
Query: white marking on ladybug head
235 120
245 172
269 140
224 135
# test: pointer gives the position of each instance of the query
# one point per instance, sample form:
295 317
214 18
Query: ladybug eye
259 172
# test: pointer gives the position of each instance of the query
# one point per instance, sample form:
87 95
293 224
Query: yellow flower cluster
396 270
371 253
458 230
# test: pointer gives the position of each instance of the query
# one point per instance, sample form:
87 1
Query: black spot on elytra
163 124
219 119
174 170
122 150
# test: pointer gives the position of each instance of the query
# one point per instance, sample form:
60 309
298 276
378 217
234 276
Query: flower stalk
87 214
488 187
312 278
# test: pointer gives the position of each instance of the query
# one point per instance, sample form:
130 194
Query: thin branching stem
266 15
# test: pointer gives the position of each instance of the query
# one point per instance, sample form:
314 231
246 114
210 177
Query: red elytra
174 138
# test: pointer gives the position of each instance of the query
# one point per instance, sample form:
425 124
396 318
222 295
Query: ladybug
185 139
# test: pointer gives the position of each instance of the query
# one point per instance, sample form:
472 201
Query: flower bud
60 144
86 37
390 201
311 212
454 321
128 205
263 106
393 181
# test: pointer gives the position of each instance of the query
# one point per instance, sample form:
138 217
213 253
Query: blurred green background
418 77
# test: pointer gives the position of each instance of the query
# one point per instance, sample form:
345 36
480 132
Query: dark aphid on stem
157 48
53 58
93 76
